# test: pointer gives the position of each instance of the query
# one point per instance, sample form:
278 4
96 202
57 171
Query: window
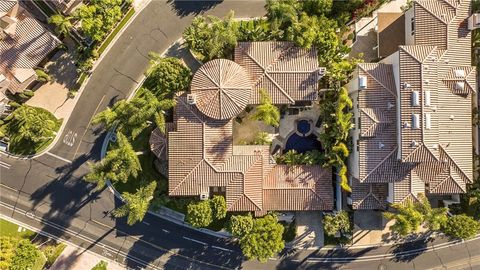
412 25
427 98
415 98
415 121
428 121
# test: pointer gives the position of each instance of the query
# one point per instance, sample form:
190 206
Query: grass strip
117 29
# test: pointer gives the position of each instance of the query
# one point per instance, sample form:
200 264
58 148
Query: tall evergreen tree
136 204
119 164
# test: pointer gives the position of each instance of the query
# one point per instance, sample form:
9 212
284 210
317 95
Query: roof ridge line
210 78
186 176
404 48
378 81
455 163
429 11
379 164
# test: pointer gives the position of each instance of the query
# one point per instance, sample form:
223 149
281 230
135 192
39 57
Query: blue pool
302 144
303 127
303 140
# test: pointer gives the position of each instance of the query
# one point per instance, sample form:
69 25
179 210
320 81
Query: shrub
199 214
461 226
240 226
166 77
42 76
219 207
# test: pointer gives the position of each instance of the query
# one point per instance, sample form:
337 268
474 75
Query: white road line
193 240
224 249
89 122
146 223
165 231
5 165
59 157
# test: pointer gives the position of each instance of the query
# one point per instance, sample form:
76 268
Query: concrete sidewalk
73 258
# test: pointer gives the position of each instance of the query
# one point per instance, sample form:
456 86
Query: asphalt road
48 193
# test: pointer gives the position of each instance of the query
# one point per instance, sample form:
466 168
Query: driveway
53 96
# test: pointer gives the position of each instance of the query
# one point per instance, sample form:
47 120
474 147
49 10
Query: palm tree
136 204
262 138
119 164
281 15
132 117
266 111
62 23
32 125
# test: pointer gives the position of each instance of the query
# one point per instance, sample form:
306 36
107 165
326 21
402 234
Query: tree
462 227
281 14
167 76
211 37
136 204
219 207
99 17
336 223
240 226
8 245
132 117
31 125
434 218
266 111
26 254
264 240
262 138
199 214
317 7
407 219
62 23
303 32
120 164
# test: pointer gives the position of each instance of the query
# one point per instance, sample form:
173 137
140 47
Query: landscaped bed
29 129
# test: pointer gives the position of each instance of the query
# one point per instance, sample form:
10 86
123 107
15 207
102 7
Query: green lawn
11 229
115 31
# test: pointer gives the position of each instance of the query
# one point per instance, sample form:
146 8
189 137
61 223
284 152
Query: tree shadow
162 244
192 7
330 259
407 252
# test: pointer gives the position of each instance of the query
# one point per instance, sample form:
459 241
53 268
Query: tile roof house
199 146
413 111
24 43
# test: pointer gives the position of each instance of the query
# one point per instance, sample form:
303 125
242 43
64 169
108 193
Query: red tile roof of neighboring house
434 158
25 47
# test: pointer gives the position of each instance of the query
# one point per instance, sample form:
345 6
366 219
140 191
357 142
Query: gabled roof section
368 196
288 73
443 10
420 53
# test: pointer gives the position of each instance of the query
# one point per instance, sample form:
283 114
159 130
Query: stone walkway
73 258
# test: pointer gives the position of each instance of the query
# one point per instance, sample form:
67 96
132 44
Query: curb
176 221
79 92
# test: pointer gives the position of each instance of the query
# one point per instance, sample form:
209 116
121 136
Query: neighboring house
65 6
413 112
199 147
24 43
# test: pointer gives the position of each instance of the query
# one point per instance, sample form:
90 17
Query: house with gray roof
413 112
202 159
24 43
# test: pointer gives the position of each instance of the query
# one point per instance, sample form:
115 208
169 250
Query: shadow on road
291 259
191 7
407 252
